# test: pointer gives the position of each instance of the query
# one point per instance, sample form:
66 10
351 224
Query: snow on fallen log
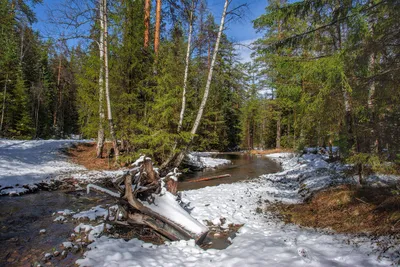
101 189
167 206
146 199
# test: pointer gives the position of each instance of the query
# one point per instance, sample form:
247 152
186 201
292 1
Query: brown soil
348 209
85 154
270 151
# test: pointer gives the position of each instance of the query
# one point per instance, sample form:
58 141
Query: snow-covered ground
26 163
263 240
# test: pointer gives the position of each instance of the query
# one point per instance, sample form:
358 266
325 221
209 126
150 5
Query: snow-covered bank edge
204 160
263 240
29 165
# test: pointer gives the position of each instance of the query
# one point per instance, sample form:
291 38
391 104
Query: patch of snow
65 212
213 162
67 245
91 214
201 160
60 219
83 228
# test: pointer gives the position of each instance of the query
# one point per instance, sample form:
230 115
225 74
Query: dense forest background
325 73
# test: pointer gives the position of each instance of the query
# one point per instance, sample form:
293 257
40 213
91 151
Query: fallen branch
101 189
209 178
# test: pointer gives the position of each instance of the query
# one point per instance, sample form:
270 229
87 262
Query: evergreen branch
332 23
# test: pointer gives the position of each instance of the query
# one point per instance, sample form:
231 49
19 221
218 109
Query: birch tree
185 78
207 88
106 81
100 133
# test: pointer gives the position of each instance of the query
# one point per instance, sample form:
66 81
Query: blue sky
238 31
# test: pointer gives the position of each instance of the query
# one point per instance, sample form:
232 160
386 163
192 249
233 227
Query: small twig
362 201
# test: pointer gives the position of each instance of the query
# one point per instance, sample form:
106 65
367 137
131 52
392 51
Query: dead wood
138 189
209 178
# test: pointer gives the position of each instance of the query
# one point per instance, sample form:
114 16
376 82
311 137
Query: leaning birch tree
207 89
185 78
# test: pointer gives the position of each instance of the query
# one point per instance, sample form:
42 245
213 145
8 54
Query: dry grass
270 151
348 209
85 154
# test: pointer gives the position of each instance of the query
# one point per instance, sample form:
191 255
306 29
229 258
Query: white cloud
244 51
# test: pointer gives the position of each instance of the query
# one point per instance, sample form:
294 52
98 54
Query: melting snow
262 241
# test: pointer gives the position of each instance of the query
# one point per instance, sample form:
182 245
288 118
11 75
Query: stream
22 217
243 167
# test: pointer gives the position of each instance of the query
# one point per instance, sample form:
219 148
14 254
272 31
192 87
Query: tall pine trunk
157 29
100 133
207 89
146 23
107 88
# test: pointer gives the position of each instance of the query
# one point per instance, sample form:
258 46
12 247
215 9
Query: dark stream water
22 217
243 167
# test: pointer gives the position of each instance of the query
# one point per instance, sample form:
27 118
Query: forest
162 77
200 133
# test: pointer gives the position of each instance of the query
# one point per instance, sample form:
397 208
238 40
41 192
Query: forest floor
348 209
263 240
85 154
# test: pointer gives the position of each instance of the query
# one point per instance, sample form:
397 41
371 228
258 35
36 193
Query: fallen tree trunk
209 178
146 199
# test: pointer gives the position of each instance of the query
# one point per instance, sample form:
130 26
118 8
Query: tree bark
100 133
157 29
107 88
186 72
146 23
207 89
3 109
278 132
181 115
373 145
58 93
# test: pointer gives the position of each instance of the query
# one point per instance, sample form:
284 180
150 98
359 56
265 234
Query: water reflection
243 167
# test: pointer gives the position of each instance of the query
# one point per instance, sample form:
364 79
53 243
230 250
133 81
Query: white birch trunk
186 73
3 109
106 80
100 133
182 114
207 89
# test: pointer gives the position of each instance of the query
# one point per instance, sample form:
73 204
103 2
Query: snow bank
25 163
202 160
262 241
